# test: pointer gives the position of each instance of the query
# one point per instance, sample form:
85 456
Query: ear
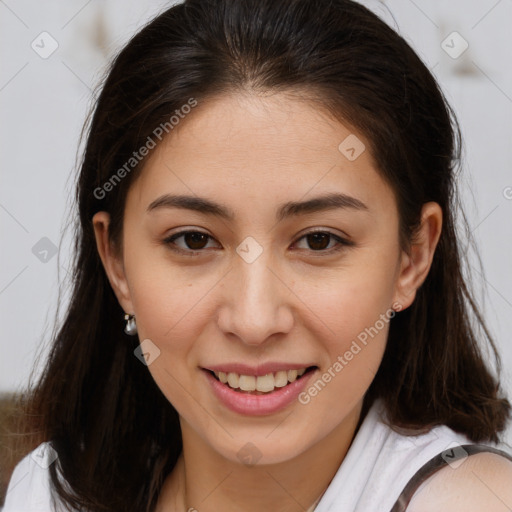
112 261
415 263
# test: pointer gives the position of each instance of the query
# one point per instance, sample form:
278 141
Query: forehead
251 148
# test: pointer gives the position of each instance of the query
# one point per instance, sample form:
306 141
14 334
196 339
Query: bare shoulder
482 481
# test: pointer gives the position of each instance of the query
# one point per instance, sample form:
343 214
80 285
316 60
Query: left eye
195 241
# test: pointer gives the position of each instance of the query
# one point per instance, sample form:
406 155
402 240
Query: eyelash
342 242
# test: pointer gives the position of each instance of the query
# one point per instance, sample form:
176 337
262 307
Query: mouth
262 384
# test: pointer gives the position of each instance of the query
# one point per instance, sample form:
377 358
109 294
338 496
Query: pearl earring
131 326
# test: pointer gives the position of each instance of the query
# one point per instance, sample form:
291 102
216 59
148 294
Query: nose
256 301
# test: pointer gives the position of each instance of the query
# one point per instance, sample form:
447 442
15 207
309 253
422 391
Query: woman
269 310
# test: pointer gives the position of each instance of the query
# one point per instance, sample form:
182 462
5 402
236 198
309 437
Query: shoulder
482 481
28 487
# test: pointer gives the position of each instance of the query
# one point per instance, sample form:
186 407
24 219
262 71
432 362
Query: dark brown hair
116 435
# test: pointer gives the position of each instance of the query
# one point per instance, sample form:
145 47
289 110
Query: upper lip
262 369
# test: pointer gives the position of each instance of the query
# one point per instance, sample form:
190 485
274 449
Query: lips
257 403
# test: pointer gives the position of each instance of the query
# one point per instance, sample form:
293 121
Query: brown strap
435 464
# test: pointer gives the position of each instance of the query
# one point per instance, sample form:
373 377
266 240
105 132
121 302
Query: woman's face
254 285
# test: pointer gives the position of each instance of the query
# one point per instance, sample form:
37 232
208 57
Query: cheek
172 311
352 317
353 344
351 299
166 297
358 324
341 384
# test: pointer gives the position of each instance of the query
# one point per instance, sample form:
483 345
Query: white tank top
381 462
377 467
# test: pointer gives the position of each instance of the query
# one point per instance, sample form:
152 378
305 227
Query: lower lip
258 405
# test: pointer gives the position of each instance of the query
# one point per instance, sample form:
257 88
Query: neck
205 481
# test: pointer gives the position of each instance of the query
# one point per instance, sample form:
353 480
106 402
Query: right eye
194 242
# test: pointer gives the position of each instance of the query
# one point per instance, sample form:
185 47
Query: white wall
43 102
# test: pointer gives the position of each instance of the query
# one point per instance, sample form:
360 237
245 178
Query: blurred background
52 56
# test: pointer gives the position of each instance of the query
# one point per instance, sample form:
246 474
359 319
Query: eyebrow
290 209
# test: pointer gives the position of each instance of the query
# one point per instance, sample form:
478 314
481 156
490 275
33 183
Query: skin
253 153
481 482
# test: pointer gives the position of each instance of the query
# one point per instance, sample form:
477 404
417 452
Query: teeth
261 383
247 382
264 383
292 375
281 379
233 380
